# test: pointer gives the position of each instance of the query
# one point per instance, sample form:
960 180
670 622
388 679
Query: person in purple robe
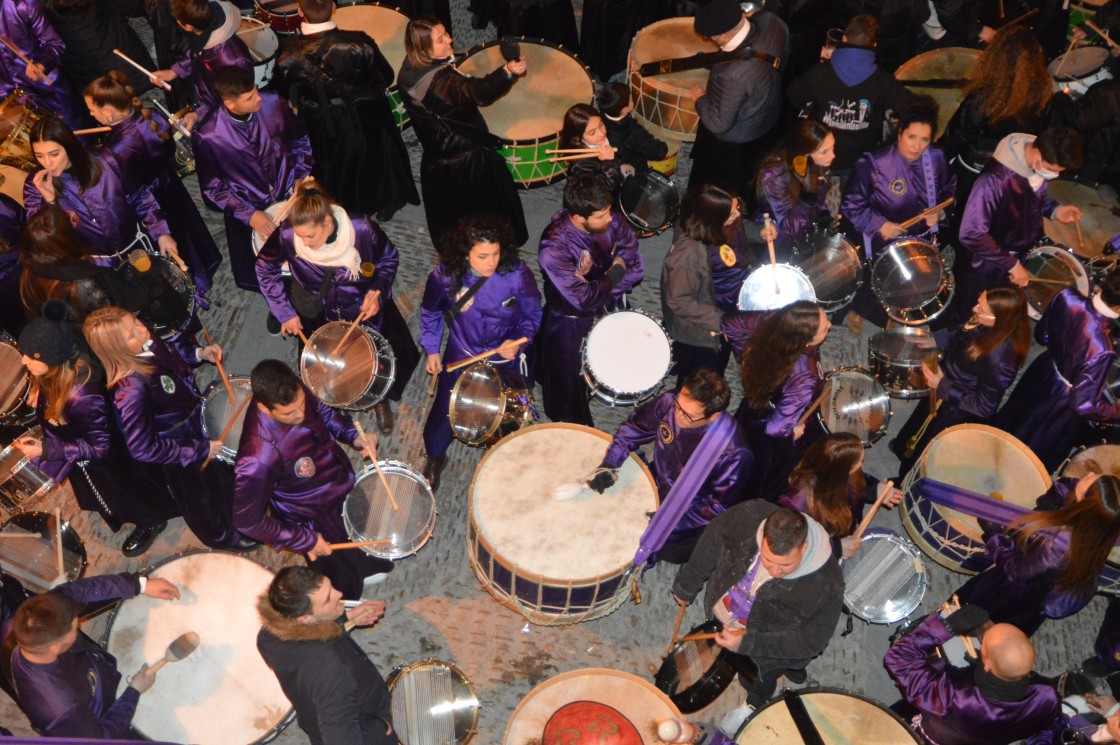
104 212
794 180
292 477
342 266
212 46
892 184
158 409
1047 564
80 439
487 298
978 367
590 259
251 152
829 485
779 364
1065 389
141 150
67 684
995 702
677 423
25 26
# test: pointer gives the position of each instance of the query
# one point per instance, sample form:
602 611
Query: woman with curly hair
779 363
829 485
1047 564
488 298
794 180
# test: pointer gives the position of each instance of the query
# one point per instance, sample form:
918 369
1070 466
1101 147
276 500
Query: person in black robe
336 80
91 31
608 26
551 20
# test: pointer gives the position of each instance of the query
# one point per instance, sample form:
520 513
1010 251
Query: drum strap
456 310
705 59
810 735
931 187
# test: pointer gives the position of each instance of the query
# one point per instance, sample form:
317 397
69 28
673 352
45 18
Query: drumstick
346 335
92 131
874 508
283 211
1101 34
432 385
676 627
23 58
1002 14
307 344
773 256
377 466
471 360
21 535
163 84
563 158
701 637
1043 280
58 544
1064 60
221 370
358 544
229 426
965 637
816 405
924 214
1020 19
572 150
1080 237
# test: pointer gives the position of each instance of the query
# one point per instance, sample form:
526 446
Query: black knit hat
718 17
49 338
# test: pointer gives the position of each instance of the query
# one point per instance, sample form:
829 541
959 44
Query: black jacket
636 146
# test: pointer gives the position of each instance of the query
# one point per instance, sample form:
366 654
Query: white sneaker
733 720
374 579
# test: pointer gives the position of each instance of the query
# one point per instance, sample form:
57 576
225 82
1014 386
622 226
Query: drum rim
394 88
899 331
585 672
851 252
396 673
914 552
866 371
661 86
65 527
585 361
721 662
253 21
541 579
21 398
946 272
502 403
192 302
668 187
837 691
357 403
224 456
370 470
527 141
947 52
260 8
1067 256
739 300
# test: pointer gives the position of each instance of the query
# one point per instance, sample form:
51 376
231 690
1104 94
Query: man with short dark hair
590 259
339 696
774 584
688 428
251 152
292 477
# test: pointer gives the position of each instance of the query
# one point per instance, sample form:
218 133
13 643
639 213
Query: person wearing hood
212 46
774 584
850 93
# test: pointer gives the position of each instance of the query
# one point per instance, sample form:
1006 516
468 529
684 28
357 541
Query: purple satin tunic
1003 219
571 288
792 217
23 23
85 436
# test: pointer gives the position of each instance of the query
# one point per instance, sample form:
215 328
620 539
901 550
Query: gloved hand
602 479
989 528
966 620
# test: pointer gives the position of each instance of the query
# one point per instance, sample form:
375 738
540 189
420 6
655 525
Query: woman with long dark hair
1047 564
794 179
979 365
583 127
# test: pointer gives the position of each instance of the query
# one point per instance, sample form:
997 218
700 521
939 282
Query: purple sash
931 188
683 490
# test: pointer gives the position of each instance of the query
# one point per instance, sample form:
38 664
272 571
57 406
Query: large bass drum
662 102
841 717
911 281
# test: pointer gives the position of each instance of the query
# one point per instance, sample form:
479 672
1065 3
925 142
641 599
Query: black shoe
141 539
272 324
797 677
243 545
433 467
383 412
385 215
1093 666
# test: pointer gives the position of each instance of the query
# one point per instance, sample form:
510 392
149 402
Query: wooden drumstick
563 151
358 544
163 84
1064 60
1020 19
874 508
563 158
676 627
1080 237
346 336
22 57
955 604
773 255
816 405
221 370
471 360
283 211
58 544
1044 281
710 635
92 131
1104 35
229 425
906 225
309 345
377 466
21 535
432 385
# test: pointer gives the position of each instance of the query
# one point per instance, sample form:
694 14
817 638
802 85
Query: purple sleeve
147 210
58 715
270 277
88 417
298 143
184 67
797 396
215 185
385 257
338 424
557 262
1087 397
51 47
1042 555
637 430
134 407
983 203
432 308
103 587
791 216
922 684
983 398
858 196
628 250
258 470
529 302
727 480
738 326
32 197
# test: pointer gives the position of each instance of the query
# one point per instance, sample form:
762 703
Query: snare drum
1081 69
695 673
635 700
355 376
1102 459
282 15
662 102
34 561
18 114
168 319
15 382
22 484
535 554
484 409
981 459
528 118
369 514
222 694
833 265
885 581
911 281
856 403
1098 224
774 286
650 203
263 46
433 704
216 413
1061 268
385 25
626 355
952 63
841 716
11 182
895 357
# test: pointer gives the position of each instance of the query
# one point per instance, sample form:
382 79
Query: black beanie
717 17
49 338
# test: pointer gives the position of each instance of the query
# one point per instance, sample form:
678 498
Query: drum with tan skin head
840 717
385 25
933 73
662 103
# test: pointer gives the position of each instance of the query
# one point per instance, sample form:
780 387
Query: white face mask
1044 173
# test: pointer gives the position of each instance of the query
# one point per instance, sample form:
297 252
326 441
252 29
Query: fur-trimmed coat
339 695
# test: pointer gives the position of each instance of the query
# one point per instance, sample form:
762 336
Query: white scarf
340 253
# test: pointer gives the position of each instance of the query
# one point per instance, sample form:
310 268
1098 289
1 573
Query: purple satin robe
655 421
201 68
885 187
792 217
23 23
727 279
85 436
953 708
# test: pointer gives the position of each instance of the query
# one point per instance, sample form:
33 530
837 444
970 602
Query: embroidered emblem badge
305 467
727 254
167 384
898 187
665 432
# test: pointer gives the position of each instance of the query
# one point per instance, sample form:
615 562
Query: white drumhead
587 537
628 352
841 719
384 25
224 693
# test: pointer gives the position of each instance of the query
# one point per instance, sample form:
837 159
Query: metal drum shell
13 401
909 250
638 192
711 685
43 523
819 253
1039 296
464 712
511 409
22 484
901 377
903 601
211 427
321 353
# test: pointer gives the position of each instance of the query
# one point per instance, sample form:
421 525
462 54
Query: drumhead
34 561
833 265
856 403
885 581
223 693
628 352
1078 63
11 182
216 414
534 108
369 514
952 63
339 376
14 378
908 274
513 509
629 695
262 41
383 24
661 102
841 717
433 704
1056 264
770 287
650 203
902 346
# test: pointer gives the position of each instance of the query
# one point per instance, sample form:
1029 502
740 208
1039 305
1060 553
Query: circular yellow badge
665 432
727 253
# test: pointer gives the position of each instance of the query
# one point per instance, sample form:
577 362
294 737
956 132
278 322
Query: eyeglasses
685 414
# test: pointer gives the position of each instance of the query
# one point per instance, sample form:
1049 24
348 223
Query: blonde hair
312 205
58 384
103 332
